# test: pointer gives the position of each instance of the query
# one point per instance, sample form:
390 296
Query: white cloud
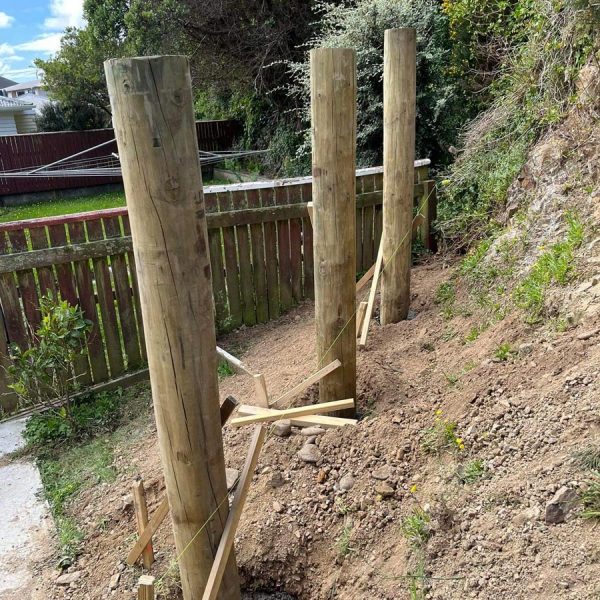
5 20
6 49
64 13
47 43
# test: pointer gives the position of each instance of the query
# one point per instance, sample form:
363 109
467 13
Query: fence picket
257 242
271 257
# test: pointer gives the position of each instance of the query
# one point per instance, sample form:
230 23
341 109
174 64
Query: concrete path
25 520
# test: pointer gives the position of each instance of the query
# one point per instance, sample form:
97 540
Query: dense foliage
534 84
59 116
441 107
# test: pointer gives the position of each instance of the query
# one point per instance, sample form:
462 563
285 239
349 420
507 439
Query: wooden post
333 112
141 517
399 98
153 117
146 587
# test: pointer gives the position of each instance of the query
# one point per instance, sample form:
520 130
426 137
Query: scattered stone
310 431
321 476
68 578
560 505
346 482
384 490
588 334
525 349
277 507
309 453
382 473
282 428
277 479
231 475
114 581
127 502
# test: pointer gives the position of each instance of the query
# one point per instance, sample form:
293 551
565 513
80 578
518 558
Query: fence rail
260 240
34 150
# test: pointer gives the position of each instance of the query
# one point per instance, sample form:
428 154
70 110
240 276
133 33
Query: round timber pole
333 112
151 101
399 106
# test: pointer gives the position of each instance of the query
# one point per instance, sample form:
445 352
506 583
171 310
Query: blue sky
30 29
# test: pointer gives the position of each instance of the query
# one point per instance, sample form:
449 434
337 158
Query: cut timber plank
157 518
371 302
362 282
146 587
310 207
260 385
360 316
141 517
324 421
291 413
234 362
213 584
332 366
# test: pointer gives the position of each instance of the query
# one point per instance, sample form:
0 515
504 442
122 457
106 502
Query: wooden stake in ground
399 98
146 587
141 517
226 543
153 118
333 112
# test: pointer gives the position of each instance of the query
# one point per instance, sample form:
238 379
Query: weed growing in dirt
504 352
554 266
472 471
441 436
445 297
588 458
415 528
224 370
474 333
590 499
417 584
343 542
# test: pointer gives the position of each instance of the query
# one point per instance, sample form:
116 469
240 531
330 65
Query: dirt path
25 519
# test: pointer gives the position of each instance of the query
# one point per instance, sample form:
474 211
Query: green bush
543 45
441 104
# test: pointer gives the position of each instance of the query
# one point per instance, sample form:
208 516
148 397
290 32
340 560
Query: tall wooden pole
399 98
333 111
154 125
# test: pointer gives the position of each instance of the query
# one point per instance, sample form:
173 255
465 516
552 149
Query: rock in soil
309 453
560 505
282 428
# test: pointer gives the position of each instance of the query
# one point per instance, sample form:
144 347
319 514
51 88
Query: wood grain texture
399 107
153 117
333 128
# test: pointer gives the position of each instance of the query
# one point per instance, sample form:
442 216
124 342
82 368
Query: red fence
37 149
261 252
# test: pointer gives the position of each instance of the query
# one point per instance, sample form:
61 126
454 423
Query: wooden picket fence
261 247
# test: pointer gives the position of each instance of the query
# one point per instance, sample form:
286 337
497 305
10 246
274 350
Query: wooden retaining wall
261 248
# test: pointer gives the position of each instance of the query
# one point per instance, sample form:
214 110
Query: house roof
17 87
4 82
14 105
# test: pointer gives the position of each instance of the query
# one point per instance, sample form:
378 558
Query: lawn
67 206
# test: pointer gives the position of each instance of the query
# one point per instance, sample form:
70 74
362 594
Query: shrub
361 25
44 373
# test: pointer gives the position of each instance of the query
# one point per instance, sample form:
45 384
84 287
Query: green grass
68 206
445 297
65 206
590 499
554 266
588 458
504 352
472 471
224 370
415 528
64 476
343 542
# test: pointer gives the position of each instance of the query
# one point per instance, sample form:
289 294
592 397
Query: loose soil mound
302 534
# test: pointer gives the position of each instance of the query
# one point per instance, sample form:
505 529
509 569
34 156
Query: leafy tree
115 28
58 116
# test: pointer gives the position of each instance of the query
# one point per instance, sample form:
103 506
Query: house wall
26 121
7 124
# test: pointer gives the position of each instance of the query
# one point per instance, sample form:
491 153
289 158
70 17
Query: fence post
333 111
151 101
399 97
